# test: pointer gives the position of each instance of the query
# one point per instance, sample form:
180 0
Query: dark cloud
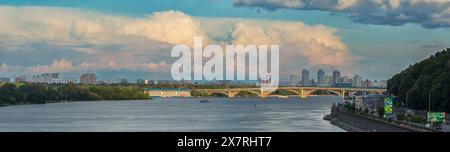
427 13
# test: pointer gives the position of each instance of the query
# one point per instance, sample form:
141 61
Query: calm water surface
174 114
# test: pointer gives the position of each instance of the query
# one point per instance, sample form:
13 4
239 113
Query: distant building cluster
18 79
88 78
21 79
304 79
334 80
52 78
154 82
141 81
56 78
372 103
112 81
4 80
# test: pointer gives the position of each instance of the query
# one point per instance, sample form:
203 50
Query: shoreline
150 98
345 127
352 122
64 101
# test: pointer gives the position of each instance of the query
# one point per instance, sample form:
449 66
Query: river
174 114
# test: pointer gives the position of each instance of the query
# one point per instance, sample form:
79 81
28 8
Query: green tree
432 74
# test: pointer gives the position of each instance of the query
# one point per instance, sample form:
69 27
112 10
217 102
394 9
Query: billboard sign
436 117
388 105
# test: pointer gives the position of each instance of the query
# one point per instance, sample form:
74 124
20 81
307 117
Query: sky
133 39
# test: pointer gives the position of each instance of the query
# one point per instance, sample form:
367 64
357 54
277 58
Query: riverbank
50 102
35 93
360 123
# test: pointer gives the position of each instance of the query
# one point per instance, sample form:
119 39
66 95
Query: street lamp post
429 100
407 95
429 96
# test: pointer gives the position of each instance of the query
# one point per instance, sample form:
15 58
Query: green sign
436 117
388 105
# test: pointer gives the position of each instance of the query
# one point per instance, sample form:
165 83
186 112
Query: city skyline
322 79
79 37
304 74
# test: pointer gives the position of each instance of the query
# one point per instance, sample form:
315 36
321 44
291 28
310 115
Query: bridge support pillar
232 94
264 94
303 94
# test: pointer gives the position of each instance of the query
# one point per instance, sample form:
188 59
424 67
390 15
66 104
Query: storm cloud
427 13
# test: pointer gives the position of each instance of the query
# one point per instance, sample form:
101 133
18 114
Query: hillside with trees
428 78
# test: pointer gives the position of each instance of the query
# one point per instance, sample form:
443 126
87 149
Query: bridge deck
301 91
308 88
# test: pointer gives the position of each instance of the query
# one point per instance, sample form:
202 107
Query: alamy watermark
191 65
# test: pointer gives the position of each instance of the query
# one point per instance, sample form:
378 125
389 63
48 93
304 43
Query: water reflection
187 114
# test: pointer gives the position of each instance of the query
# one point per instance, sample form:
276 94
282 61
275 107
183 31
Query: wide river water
174 114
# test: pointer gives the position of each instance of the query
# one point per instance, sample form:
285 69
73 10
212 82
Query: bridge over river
302 92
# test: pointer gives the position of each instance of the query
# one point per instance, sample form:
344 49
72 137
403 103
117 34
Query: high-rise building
336 77
88 78
64 80
345 79
294 80
123 81
329 80
305 78
321 80
20 79
52 78
367 83
46 78
379 84
4 80
357 81
110 81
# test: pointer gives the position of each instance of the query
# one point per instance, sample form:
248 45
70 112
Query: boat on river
283 97
204 101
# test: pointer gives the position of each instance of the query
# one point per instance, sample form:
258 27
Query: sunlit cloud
98 41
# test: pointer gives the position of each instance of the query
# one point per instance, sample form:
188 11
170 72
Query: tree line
32 93
428 79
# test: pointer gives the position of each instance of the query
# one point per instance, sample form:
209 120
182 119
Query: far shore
150 98
62 101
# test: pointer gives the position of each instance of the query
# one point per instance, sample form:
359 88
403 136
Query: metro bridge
302 92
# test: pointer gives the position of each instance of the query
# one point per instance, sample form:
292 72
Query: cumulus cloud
171 26
313 45
427 13
73 26
57 66
63 65
107 41
98 41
